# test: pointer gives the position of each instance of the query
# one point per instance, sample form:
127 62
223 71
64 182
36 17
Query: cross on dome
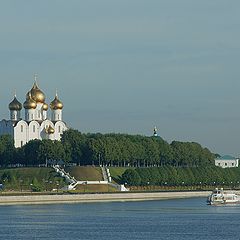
35 77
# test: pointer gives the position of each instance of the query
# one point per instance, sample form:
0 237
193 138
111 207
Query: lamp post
85 186
4 181
46 182
31 185
57 186
21 181
148 185
50 182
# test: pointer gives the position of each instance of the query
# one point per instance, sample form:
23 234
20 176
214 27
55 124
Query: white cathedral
36 124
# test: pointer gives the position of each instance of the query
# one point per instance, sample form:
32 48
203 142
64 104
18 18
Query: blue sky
128 65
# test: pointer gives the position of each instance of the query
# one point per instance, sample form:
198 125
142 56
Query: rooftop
226 157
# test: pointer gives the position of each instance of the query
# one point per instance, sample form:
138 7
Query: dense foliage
178 176
133 150
131 177
106 149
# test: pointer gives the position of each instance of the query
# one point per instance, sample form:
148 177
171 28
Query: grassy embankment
46 179
30 179
89 173
85 173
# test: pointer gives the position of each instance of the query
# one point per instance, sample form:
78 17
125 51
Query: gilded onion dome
15 105
50 130
37 95
45 107
56 104
29 103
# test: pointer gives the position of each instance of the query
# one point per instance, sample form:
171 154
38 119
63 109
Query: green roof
227 157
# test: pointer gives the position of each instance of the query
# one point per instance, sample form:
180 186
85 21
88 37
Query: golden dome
29 103
28 95
45 107
37 95
50 130
15 105
56 103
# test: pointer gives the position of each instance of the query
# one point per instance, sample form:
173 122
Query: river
166 219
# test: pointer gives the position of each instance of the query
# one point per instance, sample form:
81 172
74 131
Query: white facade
226 162
36 125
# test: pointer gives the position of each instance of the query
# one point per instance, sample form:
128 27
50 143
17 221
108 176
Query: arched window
34 128
21 128
59 129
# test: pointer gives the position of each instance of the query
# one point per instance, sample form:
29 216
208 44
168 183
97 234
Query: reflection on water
168 219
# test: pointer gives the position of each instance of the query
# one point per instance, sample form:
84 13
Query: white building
36 124
226 162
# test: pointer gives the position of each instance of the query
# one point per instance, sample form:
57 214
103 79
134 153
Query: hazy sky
128 65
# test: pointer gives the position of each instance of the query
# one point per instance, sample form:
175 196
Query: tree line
173 176
121 150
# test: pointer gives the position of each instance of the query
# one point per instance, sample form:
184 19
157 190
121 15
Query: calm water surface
168 219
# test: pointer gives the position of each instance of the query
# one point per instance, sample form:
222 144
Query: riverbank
87 198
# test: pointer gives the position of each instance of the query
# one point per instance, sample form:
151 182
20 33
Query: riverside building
36 124
226 162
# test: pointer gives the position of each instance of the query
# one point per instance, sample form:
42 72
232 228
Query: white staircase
72 182
106 174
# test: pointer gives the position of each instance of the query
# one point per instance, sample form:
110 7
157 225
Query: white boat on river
218 197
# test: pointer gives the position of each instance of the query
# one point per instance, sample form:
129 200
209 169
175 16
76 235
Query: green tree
7 150
49 149
74 142
131 177
31 150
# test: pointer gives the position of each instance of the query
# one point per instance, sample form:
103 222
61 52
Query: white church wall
21 134
57 115
59 127
15 115
44 115
29 114
39 112
34 130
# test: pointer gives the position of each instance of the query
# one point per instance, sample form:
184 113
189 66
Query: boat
218 197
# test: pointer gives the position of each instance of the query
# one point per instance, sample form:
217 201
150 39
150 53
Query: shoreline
91 198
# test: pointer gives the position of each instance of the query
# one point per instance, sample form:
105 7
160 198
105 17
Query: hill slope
88 173
27 178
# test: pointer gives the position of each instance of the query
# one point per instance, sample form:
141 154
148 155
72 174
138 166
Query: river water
166 219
